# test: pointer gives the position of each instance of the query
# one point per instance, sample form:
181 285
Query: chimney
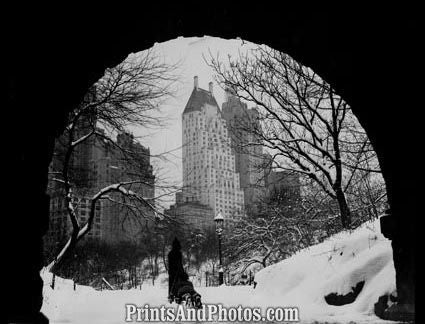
195 82
211 87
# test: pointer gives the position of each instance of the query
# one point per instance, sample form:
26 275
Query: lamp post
219 221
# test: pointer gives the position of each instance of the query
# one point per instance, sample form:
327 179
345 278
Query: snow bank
303 280
334 266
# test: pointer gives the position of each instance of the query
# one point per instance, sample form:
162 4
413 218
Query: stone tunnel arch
352 57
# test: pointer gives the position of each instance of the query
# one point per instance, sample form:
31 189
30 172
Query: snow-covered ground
303 280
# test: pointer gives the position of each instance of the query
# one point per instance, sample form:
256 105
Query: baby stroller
183 293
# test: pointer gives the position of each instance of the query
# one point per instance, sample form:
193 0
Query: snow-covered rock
334 266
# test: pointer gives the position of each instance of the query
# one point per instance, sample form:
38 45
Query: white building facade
209 175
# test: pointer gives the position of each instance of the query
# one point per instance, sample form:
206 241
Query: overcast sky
188 52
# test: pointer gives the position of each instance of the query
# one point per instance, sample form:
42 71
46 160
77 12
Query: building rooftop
198 99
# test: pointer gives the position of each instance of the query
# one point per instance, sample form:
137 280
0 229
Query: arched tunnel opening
353 59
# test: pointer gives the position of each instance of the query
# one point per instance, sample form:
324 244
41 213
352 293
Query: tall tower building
209 169
249 158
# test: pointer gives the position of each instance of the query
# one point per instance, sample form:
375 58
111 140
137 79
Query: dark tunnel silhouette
368 56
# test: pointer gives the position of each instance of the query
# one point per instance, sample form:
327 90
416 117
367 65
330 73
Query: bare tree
270 234
128 95
304 124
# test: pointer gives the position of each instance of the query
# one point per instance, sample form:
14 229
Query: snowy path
89 306
85 305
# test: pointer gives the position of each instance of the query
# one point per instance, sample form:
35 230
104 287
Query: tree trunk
64 254
344 209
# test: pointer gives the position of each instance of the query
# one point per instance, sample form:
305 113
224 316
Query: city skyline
189 53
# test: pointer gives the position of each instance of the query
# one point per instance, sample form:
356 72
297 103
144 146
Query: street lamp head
219 220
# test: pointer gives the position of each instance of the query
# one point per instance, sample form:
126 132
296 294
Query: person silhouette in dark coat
175 268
